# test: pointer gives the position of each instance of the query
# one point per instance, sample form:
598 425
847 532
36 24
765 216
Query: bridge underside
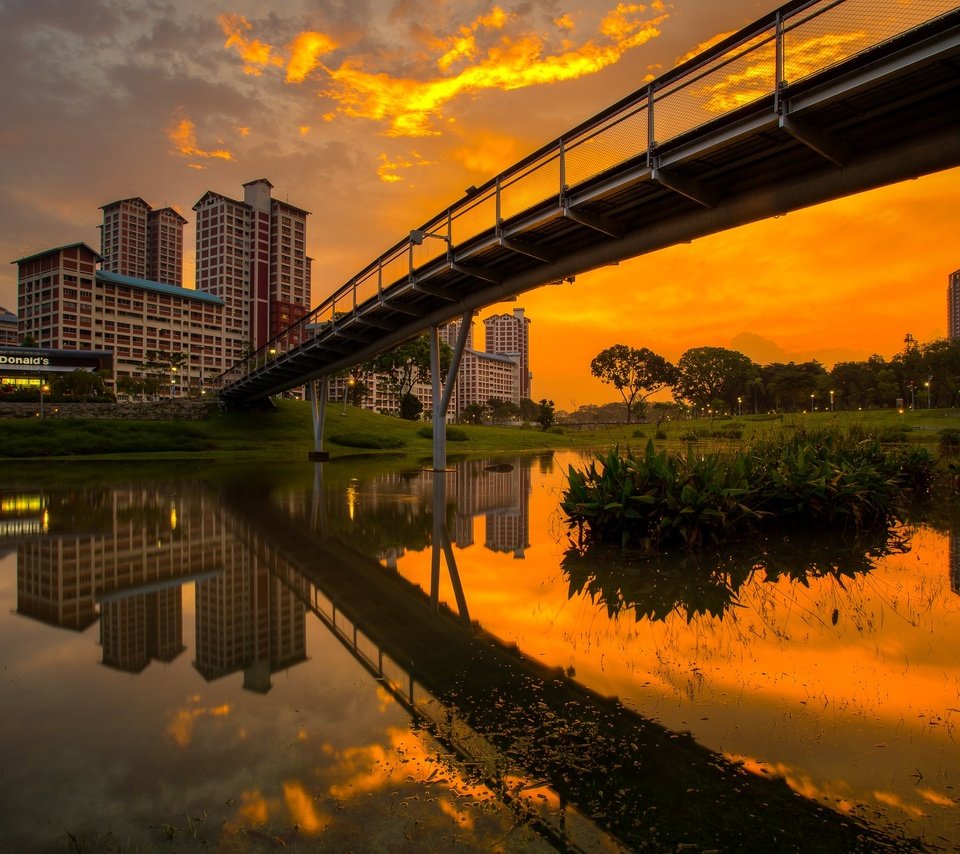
888 115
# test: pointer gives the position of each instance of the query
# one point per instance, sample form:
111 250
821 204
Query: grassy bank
287 433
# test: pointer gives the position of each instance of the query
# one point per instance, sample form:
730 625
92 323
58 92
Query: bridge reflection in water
532 733
582 768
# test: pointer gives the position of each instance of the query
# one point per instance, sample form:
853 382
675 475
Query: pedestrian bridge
815 101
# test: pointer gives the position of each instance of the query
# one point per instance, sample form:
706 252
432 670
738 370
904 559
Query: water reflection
498 657
694 584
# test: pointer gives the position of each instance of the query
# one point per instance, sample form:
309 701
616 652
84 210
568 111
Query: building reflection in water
388 514
122 554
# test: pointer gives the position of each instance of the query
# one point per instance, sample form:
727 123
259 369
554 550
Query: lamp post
43 387
811 402
929 385
831 400
739 406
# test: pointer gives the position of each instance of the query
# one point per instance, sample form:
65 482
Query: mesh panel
475 219
828 32
737 78
616 140
366 287
539 181
431 248
396 269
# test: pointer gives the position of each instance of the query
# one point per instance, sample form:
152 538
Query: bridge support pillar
441 397
318 407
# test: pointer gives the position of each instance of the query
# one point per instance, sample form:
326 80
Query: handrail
655 99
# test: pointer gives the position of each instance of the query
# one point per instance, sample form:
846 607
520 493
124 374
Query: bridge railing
796 41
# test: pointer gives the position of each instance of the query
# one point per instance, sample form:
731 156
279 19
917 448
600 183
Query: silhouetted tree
635 372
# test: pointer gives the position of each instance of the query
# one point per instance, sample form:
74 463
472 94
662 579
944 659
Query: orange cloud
255 54
700 48
183 135
388 172
305 51
488 152
410 106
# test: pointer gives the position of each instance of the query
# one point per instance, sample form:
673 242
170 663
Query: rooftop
159 287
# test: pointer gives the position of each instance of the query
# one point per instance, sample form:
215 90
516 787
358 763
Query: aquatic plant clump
658 499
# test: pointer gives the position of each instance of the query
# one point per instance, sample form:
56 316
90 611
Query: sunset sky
376 115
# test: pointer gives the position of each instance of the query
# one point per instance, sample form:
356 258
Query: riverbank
286 433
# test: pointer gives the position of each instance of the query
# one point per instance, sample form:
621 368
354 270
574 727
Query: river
364 655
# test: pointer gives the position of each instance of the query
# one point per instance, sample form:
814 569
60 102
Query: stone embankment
150 410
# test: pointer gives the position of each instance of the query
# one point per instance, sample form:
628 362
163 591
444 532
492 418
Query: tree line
716 380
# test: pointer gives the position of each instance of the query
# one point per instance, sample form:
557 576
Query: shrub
824 480
689 436
555 429
367 440
949 441
639 434
893 435
729 432
454 434
660 434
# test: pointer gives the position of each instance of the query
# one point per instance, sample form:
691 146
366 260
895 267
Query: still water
359 656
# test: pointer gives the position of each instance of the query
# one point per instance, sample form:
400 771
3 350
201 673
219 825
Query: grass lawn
287 433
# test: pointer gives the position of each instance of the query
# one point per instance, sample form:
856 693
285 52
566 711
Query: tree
409 364
28 341
79 385
528 409
706 374
473 413
941 368
635 372
158 365
502 410
791 385
410 407
545 416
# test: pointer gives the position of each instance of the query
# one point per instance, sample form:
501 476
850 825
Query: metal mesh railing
529 187
828 32
790 45
733 80
618 139
474 217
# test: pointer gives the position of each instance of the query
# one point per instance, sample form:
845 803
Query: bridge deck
609 190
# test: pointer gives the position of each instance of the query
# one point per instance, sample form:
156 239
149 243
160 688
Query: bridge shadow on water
524 728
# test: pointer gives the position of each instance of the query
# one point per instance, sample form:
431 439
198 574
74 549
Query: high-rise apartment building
8 328
953 305
66 303
252 255
509 335
138 241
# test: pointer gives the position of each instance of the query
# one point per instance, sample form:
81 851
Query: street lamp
929 385
417 236
831 400
739 408
43 387
811 402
